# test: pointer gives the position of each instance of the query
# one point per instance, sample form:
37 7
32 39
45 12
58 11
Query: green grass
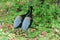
45 18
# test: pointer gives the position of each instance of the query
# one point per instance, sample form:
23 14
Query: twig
9 7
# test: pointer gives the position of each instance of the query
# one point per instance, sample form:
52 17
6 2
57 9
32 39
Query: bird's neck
30 13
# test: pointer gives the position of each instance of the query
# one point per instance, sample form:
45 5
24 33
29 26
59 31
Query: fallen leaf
10 26
32 30
44 33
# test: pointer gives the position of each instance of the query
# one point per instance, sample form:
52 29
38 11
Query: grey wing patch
17 21
25 24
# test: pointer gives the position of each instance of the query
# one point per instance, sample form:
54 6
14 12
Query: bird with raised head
27 20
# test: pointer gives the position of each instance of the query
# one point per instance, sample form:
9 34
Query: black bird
18 20
28 20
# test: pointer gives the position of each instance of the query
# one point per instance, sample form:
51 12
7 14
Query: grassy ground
46 20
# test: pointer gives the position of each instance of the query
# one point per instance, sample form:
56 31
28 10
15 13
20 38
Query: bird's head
30 8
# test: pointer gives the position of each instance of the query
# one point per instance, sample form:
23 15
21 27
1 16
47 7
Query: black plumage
28 20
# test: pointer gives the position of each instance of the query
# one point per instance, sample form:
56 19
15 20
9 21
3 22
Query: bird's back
26 23
28 20
17 21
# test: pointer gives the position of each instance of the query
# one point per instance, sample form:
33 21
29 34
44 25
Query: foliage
46 16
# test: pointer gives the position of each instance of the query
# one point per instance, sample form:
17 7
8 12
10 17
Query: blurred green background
46 17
